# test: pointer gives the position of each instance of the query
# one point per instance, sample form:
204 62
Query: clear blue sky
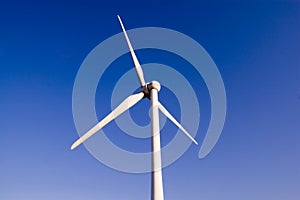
255 46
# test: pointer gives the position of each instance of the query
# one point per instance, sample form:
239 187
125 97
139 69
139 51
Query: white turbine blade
166 112
125 105
137 65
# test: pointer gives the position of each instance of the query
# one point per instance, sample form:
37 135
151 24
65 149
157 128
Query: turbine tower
148 90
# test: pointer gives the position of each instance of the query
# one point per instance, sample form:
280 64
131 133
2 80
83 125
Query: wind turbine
148 90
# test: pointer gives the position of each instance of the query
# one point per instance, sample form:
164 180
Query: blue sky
256 47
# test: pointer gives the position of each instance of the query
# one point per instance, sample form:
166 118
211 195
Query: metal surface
157 183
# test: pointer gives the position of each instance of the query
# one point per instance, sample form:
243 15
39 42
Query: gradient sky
256 47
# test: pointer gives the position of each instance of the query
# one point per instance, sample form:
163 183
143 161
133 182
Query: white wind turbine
149 90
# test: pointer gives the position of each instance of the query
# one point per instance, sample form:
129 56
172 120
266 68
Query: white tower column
157 183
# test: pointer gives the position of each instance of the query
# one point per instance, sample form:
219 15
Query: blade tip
73 146
119 18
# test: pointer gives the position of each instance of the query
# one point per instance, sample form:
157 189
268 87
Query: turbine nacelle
155 85
149 86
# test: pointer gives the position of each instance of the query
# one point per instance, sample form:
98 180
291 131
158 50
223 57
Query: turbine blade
125 105
166 112
137 65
